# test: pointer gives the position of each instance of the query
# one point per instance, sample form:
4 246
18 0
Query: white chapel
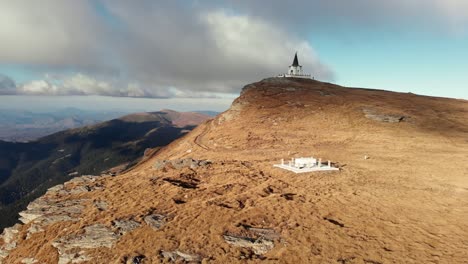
295 70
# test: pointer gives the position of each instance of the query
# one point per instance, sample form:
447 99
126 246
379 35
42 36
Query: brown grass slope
407 203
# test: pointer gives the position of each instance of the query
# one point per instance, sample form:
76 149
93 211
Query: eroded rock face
95 236
9 236
53 207
50 211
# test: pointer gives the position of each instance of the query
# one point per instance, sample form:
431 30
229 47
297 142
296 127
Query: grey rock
95 236
258 246
181 163
84 179
10 234
156 221
73 258
267 233
178 255
101 205
29 261
125 226
55 189
3 254
52 211
81 189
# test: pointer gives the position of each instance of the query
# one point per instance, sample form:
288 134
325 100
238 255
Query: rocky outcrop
181 163
95 236
9 236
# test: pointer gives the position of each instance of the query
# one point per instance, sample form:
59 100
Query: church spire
296 61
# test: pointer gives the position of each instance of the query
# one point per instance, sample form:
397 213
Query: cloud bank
185 48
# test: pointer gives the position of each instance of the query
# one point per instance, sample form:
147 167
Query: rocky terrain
213 196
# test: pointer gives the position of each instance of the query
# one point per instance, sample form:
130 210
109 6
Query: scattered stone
135 260
371 114
178 255
101 205
181 163
81 189
78 257
267 233
259 246
156 221
125 226
55 189
29 261
83 179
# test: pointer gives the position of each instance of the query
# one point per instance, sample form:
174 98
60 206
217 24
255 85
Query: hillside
27 170
213 195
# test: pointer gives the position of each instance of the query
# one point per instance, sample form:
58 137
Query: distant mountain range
23 126
28 169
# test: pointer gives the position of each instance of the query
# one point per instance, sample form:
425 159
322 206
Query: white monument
300 165
295 70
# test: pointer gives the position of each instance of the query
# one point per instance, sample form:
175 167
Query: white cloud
191 49
38 87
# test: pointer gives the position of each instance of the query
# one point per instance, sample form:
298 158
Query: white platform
302 170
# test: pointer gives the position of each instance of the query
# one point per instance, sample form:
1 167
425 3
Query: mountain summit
214 196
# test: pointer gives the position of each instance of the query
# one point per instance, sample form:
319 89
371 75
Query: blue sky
206 51
426 64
